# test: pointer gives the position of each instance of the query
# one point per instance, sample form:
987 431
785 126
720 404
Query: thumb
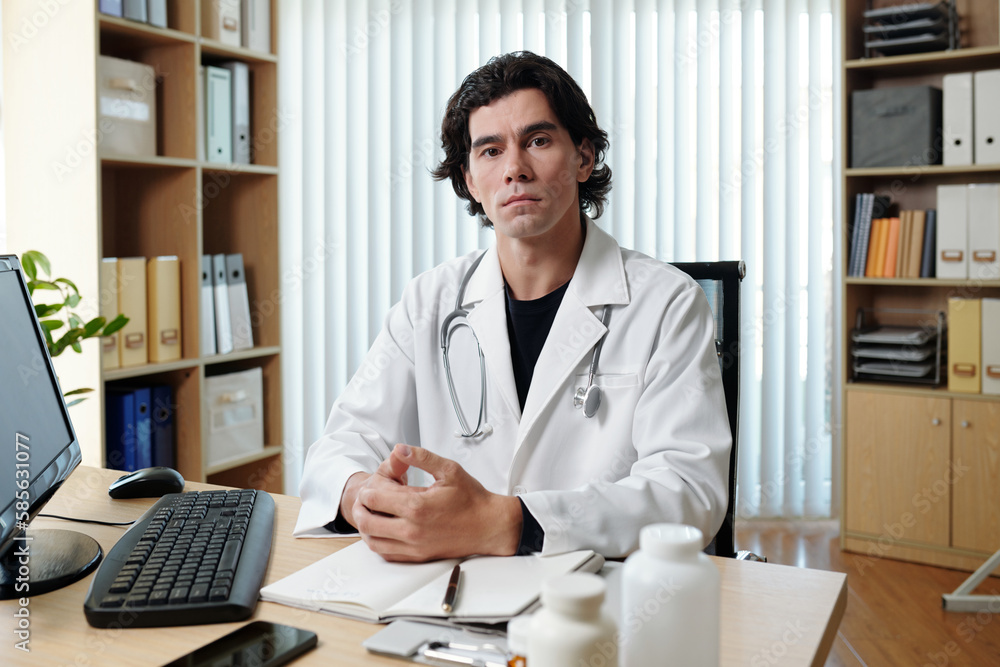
438 466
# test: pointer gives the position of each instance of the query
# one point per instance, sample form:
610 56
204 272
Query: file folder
143 427
119 431
207 311
240 105
220 20
991 346
256 25
110 7
927 266
239 303
218 115
110 345
157 10
163 408
984 231
964 345
132 304
952 232
957 119
163 276
987 121
223 325
136 10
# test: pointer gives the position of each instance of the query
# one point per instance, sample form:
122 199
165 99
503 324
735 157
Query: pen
452 592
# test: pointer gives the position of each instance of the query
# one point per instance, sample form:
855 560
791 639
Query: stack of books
891 246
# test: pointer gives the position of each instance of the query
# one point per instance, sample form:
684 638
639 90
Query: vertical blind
720 116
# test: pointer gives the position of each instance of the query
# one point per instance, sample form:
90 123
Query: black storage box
896 127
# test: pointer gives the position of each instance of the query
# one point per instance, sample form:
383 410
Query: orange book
872 262
891 249
905 232
883 241
917 246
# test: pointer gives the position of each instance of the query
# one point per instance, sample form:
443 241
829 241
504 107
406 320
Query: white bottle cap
574 593
518 629
670 540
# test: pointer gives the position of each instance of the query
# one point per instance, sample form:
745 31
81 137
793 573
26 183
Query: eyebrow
528 129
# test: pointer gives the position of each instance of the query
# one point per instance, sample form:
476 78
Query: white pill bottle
670 600
570 630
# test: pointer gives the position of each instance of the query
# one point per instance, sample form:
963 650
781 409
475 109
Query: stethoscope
588 398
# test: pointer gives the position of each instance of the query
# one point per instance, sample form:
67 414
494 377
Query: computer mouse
147 483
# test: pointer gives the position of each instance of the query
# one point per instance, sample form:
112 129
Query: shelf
923 170
267 452
254 353
151 162
916 390
936 62
923 282
149 34
148 369
214 48
234 168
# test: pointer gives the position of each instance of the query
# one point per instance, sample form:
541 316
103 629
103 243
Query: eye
539 141
491 152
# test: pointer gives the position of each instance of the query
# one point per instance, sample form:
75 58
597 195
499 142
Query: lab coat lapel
598 282
488 319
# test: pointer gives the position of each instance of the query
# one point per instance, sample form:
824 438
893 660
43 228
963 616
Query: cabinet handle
965 424
936 421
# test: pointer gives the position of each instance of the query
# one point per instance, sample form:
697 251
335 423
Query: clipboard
433 644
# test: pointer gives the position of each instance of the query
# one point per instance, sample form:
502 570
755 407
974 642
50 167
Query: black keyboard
194 557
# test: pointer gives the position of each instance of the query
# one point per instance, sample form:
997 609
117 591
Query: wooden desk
770 613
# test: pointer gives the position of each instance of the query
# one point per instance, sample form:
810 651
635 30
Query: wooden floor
894 614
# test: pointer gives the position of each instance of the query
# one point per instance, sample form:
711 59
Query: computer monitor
38 451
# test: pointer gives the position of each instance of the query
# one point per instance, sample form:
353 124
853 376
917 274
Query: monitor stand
55 558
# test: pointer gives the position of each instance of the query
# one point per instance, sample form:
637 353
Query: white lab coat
656 451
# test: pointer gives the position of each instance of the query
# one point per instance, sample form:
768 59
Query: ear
471 185
586 168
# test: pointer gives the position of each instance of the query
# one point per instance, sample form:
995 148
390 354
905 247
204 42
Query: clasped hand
452 518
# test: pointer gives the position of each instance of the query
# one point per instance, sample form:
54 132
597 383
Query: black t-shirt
528 324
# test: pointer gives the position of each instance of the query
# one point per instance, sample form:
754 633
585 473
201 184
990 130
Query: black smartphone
257 644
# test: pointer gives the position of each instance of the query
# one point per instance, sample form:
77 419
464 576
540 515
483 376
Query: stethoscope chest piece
588 398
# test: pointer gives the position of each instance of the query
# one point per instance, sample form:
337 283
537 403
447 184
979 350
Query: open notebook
357 583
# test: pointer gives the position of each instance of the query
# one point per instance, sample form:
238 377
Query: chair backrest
721 284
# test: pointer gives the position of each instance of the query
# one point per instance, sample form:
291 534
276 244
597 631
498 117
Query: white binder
223 325
987 120
240 102
991 346
239 303
207 310
952 254
157 10
256 25
984 231
136 10
957 119
218 115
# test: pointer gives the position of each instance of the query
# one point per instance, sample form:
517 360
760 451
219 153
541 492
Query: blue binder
163 426
143 427
120 429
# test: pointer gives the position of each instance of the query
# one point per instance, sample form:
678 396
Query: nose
516 168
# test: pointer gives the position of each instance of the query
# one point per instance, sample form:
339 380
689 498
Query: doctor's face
524 168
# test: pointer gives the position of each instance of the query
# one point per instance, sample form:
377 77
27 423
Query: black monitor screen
38 443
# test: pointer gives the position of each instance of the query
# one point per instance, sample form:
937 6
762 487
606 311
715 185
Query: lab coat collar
599 277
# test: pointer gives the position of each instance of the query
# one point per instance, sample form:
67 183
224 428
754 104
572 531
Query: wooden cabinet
905 448
78 204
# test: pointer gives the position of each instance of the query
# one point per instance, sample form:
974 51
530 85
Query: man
555 307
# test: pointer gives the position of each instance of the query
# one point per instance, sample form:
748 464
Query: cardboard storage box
126 107
235 408
896 127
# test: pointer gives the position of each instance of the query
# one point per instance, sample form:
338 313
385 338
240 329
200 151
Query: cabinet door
976 494
898 465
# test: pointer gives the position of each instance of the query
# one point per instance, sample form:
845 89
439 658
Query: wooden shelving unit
920 472
172 203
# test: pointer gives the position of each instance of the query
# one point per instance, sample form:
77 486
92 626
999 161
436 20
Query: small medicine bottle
570 629
670 600
517 640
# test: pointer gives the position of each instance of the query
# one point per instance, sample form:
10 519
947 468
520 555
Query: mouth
521 200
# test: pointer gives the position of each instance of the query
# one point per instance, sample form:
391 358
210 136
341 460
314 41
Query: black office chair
721 284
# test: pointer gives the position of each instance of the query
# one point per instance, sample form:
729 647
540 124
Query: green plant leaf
28 264
83 390
46 309
39 260
77 347
73 300
49 343
43 284
115 325
75 321
74 402
70 283
52 325
93 326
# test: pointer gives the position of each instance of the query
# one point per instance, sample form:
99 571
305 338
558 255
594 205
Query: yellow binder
964 345
132 304
164 302
110 345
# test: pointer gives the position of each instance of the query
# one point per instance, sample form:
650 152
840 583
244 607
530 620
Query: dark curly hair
501 76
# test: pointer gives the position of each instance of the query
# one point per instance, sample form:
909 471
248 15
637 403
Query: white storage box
126 107
234 404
